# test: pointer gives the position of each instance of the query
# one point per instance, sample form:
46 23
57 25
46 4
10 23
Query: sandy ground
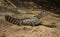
50 26
46 30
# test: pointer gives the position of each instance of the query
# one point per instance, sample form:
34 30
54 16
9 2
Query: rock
51 20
